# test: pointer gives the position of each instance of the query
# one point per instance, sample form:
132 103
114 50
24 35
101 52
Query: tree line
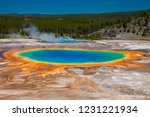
76 26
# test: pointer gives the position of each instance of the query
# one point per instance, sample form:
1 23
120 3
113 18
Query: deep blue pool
65 56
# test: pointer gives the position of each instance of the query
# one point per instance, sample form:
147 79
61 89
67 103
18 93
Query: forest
73 25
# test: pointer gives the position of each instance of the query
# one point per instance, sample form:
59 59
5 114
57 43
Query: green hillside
77 26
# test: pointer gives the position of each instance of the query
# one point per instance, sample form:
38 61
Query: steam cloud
50 37
34 33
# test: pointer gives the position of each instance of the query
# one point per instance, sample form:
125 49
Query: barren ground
75 82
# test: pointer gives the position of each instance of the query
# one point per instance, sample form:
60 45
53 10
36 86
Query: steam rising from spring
50 37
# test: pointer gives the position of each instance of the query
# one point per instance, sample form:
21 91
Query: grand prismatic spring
71 56
71 72
82 51
35 59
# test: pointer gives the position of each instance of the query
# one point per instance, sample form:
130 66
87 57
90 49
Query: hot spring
71 56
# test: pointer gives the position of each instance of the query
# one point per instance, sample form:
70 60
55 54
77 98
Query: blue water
63 40
62 56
